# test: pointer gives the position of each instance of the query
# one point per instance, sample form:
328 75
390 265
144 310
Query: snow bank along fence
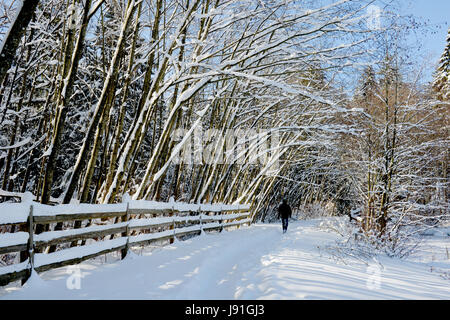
135 223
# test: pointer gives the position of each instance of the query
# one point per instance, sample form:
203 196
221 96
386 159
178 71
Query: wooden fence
108 228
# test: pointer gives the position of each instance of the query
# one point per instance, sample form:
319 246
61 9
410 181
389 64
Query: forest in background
226 102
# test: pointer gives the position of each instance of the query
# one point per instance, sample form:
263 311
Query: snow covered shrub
366 246
339 225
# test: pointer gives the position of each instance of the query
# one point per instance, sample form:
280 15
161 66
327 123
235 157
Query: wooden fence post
30 245
200 219
221 221
126 218
172 226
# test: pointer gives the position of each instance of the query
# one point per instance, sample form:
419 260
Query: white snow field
256 262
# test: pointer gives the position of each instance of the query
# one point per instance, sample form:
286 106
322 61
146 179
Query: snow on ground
257 262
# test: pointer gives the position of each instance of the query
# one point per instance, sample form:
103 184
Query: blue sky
437 14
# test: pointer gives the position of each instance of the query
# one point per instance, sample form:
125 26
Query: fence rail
131 226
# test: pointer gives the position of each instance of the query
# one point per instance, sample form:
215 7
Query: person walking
285 212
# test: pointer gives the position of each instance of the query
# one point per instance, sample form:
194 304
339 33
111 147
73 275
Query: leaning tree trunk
16 31
99 110
71 60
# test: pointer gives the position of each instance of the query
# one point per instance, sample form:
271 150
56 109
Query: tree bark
89 139
72 58
16 31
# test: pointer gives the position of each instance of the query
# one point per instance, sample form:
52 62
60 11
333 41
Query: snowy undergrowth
431 247
354 244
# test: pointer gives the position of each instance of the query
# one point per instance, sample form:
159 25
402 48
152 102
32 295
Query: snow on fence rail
131 222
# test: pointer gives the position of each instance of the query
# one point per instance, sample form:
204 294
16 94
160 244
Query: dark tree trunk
15 35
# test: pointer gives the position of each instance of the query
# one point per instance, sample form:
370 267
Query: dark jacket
284 210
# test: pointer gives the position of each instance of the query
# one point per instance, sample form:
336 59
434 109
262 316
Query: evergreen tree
442 77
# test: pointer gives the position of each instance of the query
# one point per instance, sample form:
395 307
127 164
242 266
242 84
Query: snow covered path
256 262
